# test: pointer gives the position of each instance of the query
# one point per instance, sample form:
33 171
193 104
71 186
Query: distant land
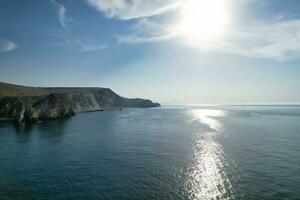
31 104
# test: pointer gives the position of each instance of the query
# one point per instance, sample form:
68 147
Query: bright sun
203 20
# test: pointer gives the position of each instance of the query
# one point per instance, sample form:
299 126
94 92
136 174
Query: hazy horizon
180 51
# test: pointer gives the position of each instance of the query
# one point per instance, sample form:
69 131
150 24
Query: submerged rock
51 107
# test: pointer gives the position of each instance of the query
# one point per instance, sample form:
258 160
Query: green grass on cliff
7 89
17 90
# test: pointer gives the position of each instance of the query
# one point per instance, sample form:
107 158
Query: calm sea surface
175 153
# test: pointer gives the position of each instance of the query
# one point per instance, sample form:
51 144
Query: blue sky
136 48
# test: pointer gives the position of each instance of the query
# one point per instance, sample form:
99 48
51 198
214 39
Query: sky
169 51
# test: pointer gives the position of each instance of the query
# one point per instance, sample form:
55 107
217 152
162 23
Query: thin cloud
88 46
146 31
134 9
140 39
278 39
61 13
6 46
76 44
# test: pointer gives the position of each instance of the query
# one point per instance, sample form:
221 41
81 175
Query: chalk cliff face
89 99
51 103
51 107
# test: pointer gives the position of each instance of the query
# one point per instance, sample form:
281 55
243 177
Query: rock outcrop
12 108
51 107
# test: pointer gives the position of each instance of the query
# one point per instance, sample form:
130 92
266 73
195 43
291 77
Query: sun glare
203 20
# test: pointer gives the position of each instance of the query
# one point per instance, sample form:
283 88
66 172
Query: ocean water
237 152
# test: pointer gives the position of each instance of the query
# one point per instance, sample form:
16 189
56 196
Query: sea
173 152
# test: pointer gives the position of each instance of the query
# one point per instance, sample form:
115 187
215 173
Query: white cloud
145 31
133 9
88 46
76 44
278 39
6 46
61 13
141 39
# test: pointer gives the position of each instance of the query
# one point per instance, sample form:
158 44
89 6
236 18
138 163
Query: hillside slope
11 90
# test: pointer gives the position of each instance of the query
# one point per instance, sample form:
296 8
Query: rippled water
235 152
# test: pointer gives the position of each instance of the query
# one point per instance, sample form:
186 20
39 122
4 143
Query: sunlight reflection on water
207 175
208 117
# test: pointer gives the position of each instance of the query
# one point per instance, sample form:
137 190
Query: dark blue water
164 153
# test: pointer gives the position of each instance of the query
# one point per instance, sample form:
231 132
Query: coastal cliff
12 108
52 107
41 103
90 99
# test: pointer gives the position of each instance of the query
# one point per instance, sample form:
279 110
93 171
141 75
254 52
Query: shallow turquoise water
234 152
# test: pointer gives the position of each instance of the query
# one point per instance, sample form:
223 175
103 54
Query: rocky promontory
51 107
32 104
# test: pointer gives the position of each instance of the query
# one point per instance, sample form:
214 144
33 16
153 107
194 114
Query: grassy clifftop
7 89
